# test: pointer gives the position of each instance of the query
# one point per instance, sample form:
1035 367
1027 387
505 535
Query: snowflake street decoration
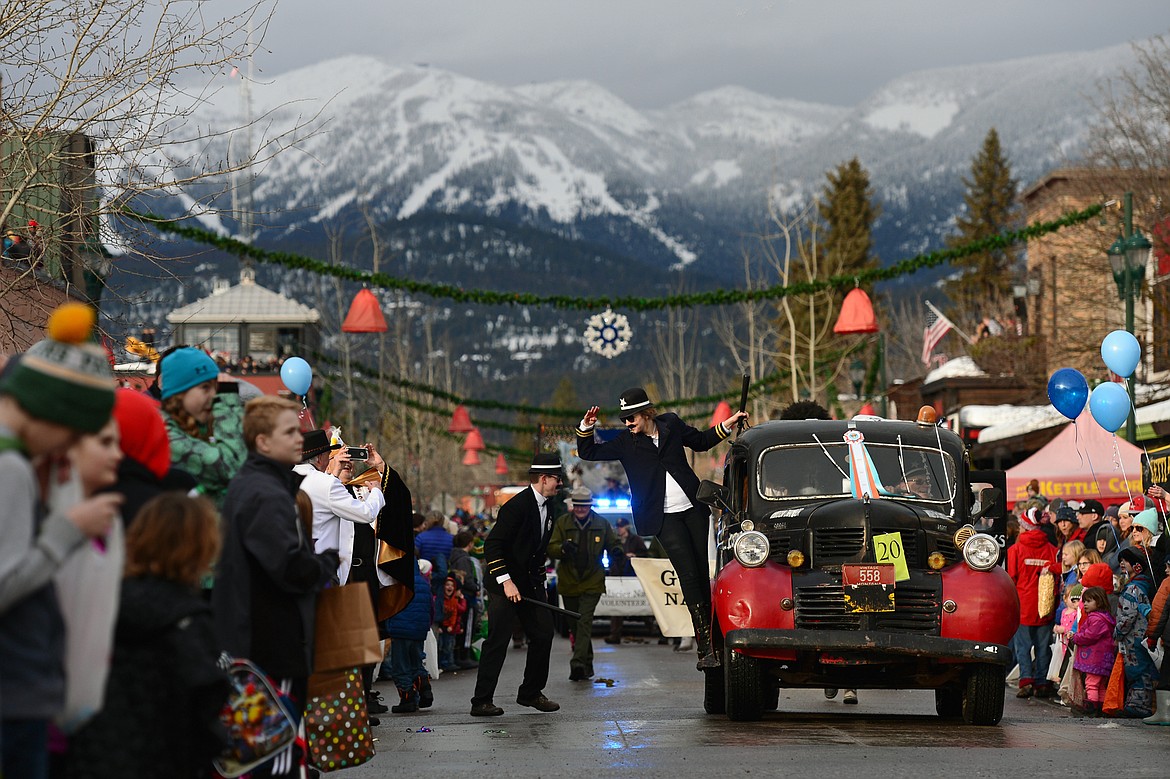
608 334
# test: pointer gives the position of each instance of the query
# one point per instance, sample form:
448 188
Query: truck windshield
801 471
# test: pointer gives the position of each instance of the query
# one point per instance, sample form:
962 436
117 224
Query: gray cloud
654 52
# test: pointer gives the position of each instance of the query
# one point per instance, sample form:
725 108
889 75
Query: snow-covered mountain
573 158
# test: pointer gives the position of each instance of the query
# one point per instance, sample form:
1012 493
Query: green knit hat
63 379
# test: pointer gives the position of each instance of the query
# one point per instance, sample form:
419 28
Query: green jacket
212 463
579 571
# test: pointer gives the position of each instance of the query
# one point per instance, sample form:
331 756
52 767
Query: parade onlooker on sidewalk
1069 554
407 631
1030 558
1132 620
1099 532
578 542
434 544
146 469
265 594
1094 646
1066 526
451 623
467 573
204 420
57 391
165 689
1157 630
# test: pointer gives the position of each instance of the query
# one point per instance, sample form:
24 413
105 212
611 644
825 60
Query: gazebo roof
246 302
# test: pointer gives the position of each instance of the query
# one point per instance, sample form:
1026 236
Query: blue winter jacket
413 622
435 544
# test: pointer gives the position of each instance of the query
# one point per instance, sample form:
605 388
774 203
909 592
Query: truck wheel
713 700
948 702
983 695
745 687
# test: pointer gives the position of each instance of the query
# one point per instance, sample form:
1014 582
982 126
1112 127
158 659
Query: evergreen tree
848 212
983 286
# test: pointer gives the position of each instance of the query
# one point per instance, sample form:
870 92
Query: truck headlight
981 552
751 549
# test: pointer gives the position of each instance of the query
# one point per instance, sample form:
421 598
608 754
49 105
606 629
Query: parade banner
1156 467
624 597
664 594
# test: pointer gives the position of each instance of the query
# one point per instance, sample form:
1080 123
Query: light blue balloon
1109 405
1068 391
1121 353
296 375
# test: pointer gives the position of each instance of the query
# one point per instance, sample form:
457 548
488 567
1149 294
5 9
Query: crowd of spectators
1093 584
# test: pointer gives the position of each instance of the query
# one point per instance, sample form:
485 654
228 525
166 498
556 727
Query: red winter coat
1027 559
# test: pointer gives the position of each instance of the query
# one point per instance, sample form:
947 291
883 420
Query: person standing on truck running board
662 492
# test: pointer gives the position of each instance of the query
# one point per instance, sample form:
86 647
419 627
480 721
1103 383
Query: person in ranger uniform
514 555
579 540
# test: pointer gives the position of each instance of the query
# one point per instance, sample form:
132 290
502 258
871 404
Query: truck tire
948 702
713 694
745 687
983 695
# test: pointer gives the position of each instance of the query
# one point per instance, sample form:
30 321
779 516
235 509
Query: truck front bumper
903 644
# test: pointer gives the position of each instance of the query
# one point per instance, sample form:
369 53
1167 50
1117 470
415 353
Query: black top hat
316 443
547 464
632 401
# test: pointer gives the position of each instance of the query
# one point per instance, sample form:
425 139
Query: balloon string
1119 462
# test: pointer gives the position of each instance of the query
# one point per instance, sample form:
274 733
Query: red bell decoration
856 314
365 315
471 457
460 421
722 413
501 464
867 410
474 441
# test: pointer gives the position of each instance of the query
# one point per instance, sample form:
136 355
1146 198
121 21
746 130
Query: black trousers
684 537
503 614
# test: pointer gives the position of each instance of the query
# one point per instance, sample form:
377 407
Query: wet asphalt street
650 723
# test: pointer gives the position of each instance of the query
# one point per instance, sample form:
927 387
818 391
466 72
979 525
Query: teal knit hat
63 379
185 368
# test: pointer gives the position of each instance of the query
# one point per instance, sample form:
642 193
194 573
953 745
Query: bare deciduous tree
97 108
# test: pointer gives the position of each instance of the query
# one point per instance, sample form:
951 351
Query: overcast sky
654 52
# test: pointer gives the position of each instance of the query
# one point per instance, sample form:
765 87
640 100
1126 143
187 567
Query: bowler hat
547 464
632 401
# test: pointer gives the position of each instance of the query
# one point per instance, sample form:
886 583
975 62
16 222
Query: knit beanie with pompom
144 434
64 379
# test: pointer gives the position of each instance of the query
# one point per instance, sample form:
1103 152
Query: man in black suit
514 555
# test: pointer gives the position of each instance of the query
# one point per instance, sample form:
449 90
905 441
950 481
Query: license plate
855 575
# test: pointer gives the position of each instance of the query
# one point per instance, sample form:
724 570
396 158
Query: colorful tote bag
337 724
257 719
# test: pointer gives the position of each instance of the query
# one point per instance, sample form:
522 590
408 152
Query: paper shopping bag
346 635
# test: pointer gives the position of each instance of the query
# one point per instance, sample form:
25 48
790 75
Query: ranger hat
632 401
581 496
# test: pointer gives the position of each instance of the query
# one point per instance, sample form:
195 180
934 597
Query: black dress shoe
485 710
374 722
577 675
540 703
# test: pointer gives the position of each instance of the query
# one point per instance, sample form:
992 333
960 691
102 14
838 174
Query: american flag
937 326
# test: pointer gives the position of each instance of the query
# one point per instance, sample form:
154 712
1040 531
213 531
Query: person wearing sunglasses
662 490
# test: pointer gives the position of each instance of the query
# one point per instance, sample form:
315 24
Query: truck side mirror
714 495
990 503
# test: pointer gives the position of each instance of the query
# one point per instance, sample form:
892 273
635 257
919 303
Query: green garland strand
713 298
564 414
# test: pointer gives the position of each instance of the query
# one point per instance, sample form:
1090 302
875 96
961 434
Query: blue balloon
1121 353
1068 391
296 375
1109 405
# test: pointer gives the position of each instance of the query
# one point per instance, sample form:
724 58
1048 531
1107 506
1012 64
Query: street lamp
857 376
1127 258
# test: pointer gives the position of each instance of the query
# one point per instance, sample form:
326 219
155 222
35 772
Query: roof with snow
246 302
960 367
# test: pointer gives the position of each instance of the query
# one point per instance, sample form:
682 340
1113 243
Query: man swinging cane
514 553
